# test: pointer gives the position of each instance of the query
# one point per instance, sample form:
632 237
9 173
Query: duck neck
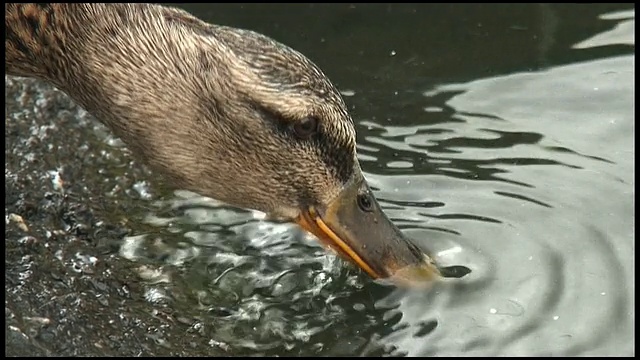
130 65
42 40
122 62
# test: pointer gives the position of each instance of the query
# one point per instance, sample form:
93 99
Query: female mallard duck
227 113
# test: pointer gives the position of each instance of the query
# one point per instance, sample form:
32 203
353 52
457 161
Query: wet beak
355 227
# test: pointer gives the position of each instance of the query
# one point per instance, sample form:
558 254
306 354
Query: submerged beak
356 228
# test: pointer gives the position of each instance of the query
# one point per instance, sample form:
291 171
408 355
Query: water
499 137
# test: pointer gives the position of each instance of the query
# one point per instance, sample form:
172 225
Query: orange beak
356 228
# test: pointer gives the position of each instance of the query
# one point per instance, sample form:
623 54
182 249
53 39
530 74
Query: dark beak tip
418 273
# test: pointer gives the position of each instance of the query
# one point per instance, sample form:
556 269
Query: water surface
500 138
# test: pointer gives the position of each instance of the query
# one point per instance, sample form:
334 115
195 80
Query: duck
224 112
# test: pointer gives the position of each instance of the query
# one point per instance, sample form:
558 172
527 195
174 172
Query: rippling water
517 165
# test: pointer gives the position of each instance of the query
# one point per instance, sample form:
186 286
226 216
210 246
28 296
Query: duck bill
365 236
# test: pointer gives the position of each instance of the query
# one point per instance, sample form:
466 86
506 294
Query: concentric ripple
548 234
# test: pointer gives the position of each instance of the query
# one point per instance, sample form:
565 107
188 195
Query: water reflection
541 297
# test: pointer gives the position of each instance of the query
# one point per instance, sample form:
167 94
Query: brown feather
209 107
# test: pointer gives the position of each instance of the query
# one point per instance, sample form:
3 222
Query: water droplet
142 188
56 180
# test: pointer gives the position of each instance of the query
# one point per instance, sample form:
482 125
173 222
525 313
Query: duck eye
306 127
365 202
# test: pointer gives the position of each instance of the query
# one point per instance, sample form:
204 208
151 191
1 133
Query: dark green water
498 136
